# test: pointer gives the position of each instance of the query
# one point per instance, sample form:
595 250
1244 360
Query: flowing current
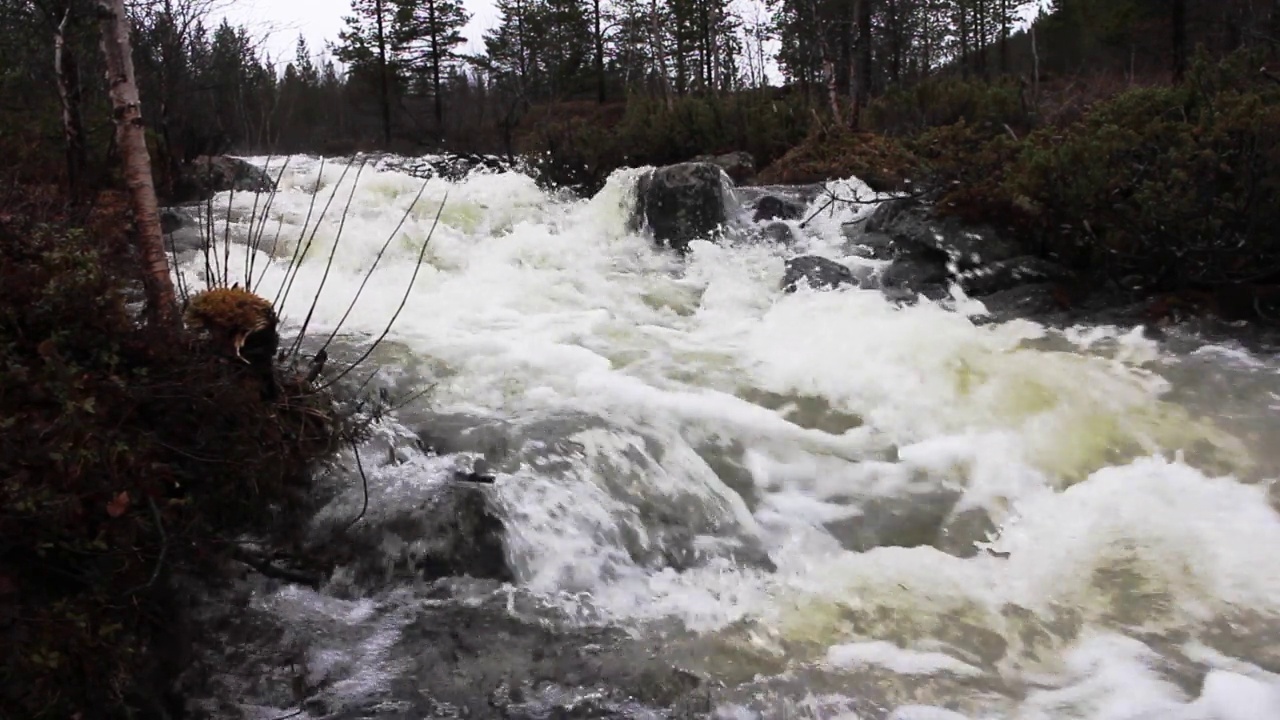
825 504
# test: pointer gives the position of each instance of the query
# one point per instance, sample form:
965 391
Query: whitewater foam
533 306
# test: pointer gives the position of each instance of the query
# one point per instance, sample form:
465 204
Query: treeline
655 80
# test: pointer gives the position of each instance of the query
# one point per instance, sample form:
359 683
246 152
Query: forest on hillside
397 77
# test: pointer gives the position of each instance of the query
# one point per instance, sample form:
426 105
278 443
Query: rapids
824 504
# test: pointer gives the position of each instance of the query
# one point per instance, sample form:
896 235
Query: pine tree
366 45
426 34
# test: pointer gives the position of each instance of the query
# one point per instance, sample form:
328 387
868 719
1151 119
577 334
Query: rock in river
821 273
681 203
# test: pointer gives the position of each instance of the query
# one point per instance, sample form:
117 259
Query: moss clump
125 452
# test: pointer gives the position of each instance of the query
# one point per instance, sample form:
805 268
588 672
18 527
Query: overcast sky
321 20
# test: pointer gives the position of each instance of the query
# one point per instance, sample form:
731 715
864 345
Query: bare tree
68 71
131 140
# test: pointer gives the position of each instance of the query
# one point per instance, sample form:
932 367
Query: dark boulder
207 176
913 224
916 273
1008 274
681 203
1035 300
821 273
772 207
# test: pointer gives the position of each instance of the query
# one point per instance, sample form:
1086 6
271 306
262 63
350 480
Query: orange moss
230 315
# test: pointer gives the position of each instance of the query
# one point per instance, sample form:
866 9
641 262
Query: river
820 504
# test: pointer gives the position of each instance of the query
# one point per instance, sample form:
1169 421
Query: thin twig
324 277
374 266
266 569
296 266
256 241
226 239
253 216
403 300
364 481
414 396
292 260
164 549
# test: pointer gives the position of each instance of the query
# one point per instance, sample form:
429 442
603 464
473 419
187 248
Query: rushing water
826 504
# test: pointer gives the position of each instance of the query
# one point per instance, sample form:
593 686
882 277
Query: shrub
581 150
1174 184
125 452
943 101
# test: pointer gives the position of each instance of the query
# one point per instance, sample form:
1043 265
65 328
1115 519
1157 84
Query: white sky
321 20
280 21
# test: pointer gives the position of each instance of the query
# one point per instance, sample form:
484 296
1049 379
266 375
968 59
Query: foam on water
534 307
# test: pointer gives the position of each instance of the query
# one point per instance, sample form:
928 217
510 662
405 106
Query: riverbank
128 455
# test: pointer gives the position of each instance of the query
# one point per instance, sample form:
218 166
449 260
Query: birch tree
132 143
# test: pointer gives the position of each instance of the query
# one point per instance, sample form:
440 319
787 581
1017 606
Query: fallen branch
266 569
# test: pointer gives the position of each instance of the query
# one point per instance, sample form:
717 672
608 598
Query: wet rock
459 533
902 521
453 167
772 207
779 232
1008 274
207 176
739 166
681 203
914 225
916 273
181 230
454 648
962 530
875 246
821 273
1036 300
455 531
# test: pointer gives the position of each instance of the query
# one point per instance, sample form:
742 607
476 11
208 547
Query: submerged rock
453 648
772 207
821 273
779 232
681 203
910 520
455 531
207 176
963 530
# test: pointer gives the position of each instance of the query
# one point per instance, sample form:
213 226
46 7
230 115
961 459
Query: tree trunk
1004 36
68 70
132 141
437 86
599 52
862 83
383 91
1179 13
